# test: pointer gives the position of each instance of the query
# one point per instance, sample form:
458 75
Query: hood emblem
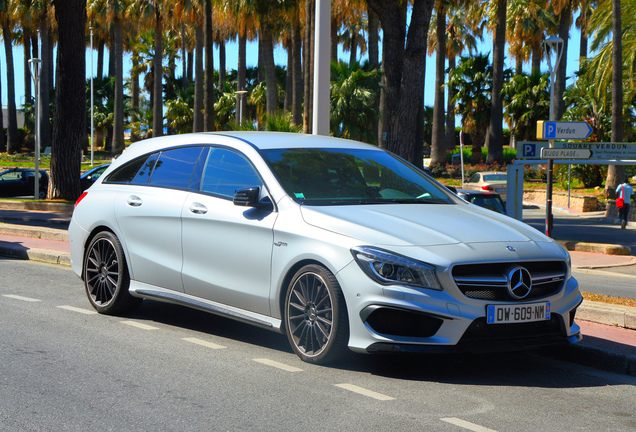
511 249
519 283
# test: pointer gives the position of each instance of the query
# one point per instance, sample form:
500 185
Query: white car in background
491 181
337 244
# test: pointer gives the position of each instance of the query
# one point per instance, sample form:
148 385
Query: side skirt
142 290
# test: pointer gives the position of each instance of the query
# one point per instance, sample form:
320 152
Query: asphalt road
582 227
607 282
167 368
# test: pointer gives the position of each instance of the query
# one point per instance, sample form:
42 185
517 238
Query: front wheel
106 276
316 319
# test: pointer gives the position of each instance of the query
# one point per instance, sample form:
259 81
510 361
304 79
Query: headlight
388 268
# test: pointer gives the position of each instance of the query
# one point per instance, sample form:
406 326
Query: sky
280 55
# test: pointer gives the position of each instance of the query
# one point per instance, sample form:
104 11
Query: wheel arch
95 231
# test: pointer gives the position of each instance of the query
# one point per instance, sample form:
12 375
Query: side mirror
247 197
452 189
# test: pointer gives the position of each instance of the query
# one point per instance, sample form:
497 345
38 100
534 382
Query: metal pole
461 152
556 44
92 105
239 101
35 75
322 66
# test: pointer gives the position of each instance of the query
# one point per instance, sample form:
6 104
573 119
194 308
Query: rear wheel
316 319
106 276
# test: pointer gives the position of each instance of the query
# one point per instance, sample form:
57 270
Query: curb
594 357
34 232
605 313
43 255
608 249
53 206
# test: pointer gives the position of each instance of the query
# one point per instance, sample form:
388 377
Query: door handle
198 208
134 201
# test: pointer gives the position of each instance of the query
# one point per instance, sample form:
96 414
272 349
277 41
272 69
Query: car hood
420 224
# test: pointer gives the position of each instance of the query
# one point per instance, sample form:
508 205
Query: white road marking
278 365
204 343
365 392
17 297
467 425
139 325
79 310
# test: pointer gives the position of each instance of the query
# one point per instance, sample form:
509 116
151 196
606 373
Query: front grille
489 281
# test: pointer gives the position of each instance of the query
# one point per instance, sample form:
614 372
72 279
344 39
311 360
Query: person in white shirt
625 191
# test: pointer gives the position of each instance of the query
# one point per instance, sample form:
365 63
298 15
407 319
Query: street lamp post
239 105
551 45
92 105
35 75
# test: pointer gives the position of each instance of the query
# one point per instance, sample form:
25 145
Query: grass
611 300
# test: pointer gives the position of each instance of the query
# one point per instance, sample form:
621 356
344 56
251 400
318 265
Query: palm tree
116 9
438 146
151 12
208 84
70 100
615 173
495 130
405 69
7 20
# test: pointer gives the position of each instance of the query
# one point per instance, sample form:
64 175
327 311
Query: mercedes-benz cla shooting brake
337 244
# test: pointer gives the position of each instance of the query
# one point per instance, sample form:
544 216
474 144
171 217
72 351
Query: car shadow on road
534 368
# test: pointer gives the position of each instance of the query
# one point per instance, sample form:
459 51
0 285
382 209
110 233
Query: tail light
81 197
487 188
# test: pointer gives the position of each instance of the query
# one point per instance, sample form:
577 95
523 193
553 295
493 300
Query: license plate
504 314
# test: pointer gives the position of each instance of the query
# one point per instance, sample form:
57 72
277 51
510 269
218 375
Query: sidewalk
609 341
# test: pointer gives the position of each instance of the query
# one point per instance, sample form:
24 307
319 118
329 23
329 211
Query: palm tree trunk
241 73
26 42
198 80
270 71
118 145
450 140
374 38
157 108
334 40
13 143
134 92
289 77
208 91
297 100
222 71
308 65
353 52
100 59
70 100
45 80
564 33
537 55
616 173
184 58
438 147
495 131
3 138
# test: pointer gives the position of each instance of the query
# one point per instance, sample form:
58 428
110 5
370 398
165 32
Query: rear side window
169 168
126 173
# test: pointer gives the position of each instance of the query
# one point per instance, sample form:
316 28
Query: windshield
351 176
495 178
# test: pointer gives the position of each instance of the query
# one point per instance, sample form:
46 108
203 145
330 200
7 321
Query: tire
42 194
316 320
106 277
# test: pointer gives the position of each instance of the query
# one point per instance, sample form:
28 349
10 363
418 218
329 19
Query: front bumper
401 319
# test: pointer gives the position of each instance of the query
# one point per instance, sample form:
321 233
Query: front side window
351 176
226 171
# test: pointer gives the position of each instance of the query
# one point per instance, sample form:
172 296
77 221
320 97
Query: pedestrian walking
625 192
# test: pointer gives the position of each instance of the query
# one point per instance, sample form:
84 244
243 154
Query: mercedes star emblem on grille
519 282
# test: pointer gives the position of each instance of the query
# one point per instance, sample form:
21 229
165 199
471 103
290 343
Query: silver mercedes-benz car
337 244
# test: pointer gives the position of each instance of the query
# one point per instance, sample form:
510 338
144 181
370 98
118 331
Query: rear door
148 213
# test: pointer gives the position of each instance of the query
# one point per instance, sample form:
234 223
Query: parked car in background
89 177
489 200
337 244
17 182
490 181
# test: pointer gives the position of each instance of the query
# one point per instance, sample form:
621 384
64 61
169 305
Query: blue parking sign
529 150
